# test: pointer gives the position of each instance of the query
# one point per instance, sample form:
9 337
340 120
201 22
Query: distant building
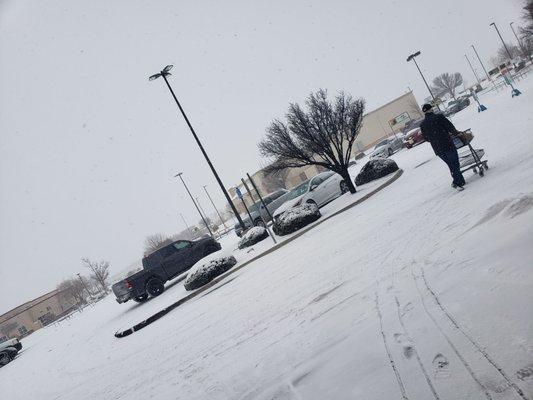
35 314
378 124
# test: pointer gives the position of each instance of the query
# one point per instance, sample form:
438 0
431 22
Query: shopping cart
470 159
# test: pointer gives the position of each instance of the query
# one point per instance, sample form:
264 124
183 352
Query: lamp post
473 70
192 199
185 222
482 66
504 45
84 285
215 207
164 73
412 57
200 206
515 35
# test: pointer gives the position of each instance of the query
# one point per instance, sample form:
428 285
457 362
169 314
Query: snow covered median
375 169
206 272
296 218
252 236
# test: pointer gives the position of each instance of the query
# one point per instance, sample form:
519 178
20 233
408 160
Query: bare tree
274 180
8 327
100 272
527 16
155 242
447 83
323 135
73 288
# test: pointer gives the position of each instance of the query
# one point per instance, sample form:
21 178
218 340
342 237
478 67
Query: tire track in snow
387 350
459 355
424 371
474 343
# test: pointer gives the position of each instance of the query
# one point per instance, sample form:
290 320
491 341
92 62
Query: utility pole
215 207
195 205
164 73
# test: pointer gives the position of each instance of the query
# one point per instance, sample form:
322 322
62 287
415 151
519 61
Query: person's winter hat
426 107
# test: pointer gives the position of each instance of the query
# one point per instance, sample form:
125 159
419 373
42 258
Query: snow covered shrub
207 272
252 236
296 218
375 169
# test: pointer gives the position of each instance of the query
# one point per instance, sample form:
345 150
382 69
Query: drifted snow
296 218
374 169
302 322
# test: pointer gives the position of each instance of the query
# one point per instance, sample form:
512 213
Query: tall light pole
473 70
192 199
515 35
200 206
412 57
187 225
504 45
164 73
215 207
482 66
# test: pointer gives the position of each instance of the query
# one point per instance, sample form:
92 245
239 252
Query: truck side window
181 245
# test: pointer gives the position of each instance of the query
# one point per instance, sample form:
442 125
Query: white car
320 190
387 147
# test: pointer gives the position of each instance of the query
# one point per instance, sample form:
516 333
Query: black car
161 266
455 106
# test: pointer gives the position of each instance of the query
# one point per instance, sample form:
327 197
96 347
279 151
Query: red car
413 137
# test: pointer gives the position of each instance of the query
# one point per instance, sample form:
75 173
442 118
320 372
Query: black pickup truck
161 266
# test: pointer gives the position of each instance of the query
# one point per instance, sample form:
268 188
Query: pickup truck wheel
155 287
142 298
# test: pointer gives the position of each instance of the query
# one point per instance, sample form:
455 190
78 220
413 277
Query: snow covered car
455 106
319 190
8 351
387 147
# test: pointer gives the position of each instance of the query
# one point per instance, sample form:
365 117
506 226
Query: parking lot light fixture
412 57
194 202
504 45
164 73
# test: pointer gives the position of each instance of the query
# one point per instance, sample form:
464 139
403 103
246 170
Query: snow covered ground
420 292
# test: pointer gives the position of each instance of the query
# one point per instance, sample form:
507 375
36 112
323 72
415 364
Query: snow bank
209 271
296 218
252 236
375 169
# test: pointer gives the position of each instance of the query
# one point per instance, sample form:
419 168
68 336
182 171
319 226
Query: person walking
437 130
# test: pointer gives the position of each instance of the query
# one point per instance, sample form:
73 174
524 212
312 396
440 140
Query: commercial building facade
35 314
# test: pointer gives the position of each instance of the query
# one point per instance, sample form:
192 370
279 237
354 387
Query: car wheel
155 287
344 187
4 358
390 152
311 202
142 298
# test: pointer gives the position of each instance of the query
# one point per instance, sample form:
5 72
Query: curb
219 278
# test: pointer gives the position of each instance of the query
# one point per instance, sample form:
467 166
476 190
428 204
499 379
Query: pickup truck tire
142 298
5 358
155 287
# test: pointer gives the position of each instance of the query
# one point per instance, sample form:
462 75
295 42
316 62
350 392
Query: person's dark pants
451 158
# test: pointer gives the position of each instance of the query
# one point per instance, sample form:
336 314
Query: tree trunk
346 176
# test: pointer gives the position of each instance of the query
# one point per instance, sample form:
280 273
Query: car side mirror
313 187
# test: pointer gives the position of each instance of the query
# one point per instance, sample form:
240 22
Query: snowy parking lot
419 291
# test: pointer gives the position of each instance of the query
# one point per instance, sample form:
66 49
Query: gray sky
88 146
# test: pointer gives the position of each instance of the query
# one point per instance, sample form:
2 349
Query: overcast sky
89 147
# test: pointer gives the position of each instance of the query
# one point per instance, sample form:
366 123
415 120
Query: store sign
403 117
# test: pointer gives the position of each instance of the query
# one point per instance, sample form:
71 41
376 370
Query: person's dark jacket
436 129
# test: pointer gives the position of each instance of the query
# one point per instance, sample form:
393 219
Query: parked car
387 147
413 137
455 106
320 190
161 266
412 124
9 350
259 213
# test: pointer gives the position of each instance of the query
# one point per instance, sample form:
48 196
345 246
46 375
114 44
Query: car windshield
298 190
382 143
